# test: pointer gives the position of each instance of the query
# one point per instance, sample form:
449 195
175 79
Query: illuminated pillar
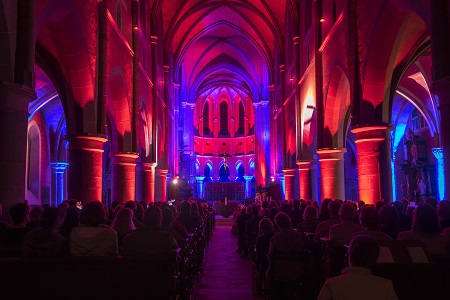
248 186
200 180
14 101
373 163
149 182
59 185
304 174
289 184
441 89
85 158
262 143
161 185
439 154
332 178
123 175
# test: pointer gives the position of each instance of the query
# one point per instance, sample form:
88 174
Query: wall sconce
322 19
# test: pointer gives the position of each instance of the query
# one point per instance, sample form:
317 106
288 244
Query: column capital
185 104
161 172
248 178
124 158
331 153
304 164
289 172
371 132
149 166
438 153
9 93
59 167
86 142
200 178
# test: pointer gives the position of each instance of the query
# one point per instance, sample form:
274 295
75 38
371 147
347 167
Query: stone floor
226 276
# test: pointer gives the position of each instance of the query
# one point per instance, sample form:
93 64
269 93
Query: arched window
206 130
241 129
224 120
33 184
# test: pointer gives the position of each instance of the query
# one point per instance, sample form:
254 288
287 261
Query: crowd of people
264 228
128 229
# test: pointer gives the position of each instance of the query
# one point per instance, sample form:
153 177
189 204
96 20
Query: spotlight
322 19
175 181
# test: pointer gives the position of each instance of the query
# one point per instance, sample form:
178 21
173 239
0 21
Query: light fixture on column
322 19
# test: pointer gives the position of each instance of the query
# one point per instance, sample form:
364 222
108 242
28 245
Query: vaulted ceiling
223 42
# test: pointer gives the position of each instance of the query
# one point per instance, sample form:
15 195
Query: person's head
153 216
333 208
426 219
323 209
398 205
431 201
310 213
388 216
255 210
296 204
363 251
369 218
266 226
92 214
131 205
19 213
114 204
405 204
443 210
273 203
185 208
35 213
380 204
272 212
143 204
123 222
139 212
286 208
50 218
282 220
347 212
167 216
265 204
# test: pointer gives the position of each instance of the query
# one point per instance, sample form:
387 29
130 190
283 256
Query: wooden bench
149 277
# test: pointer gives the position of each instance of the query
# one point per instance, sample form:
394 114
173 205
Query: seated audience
286 240
167 226
389 221
186 218
323 229
426 228
71 219
324 213
252 228
150 239
45 241
370 221
123 225
443 211
357 282
404 222
342 232
263 243
35 217
241 222
93 237
310 220
133 206
11 239
296 213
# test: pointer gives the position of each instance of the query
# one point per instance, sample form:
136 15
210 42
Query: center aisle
225 275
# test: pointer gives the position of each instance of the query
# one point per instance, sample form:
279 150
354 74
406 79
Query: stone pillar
123 175
332 180
262 143
248 186
373 158
200 181
289 184
441 89
59 184
304 174
85 158
160 185
14 99
439 154
148 182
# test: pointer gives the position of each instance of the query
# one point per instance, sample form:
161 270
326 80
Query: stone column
332 183
304 174
200 180
289 183
14 99
373 158
85 158
441 88
148 182
59 184
160 185
123 174
248 186
439 154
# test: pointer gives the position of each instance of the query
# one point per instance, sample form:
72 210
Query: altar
218 191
